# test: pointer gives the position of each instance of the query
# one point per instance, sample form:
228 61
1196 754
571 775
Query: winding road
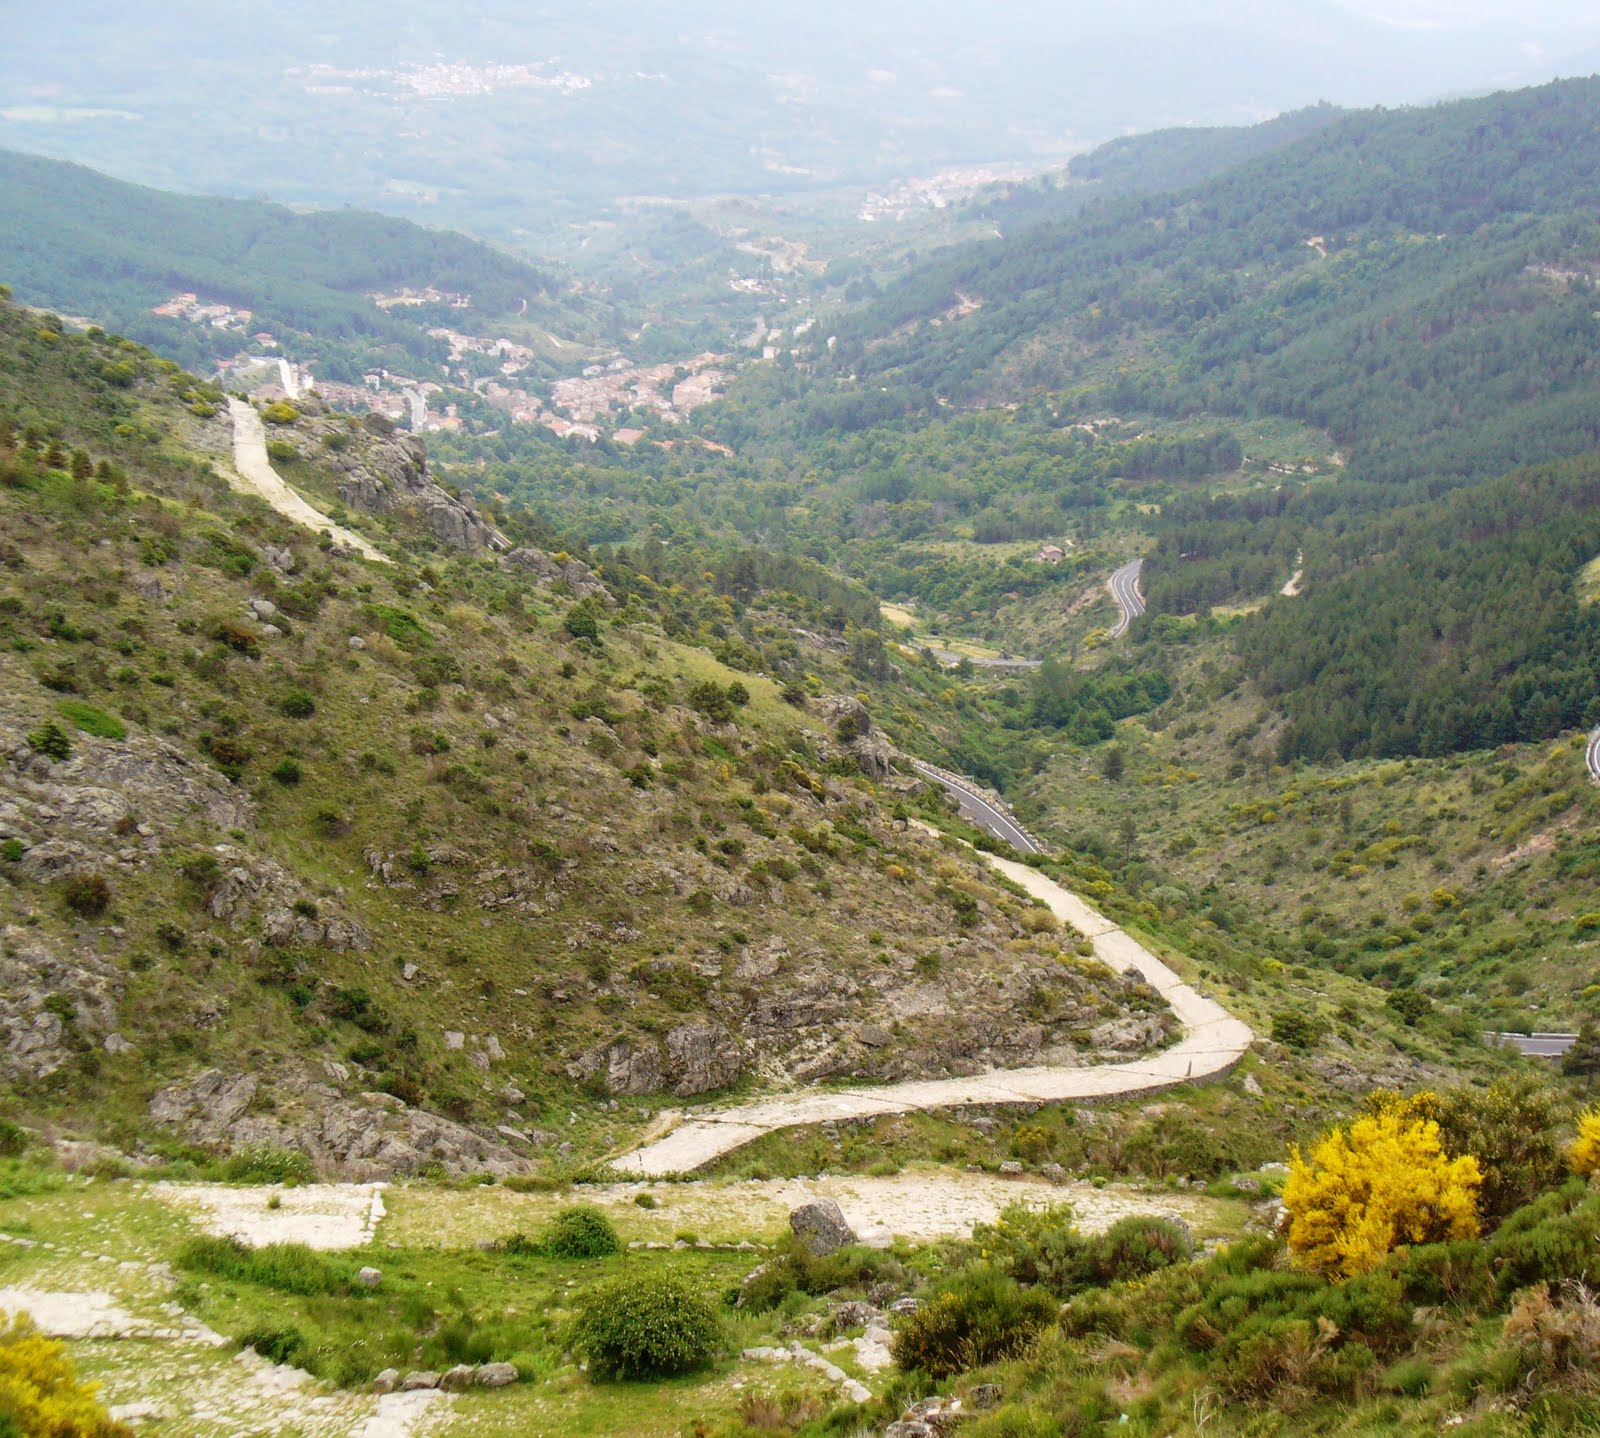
987 815
1124 587
1212 1044
256 476
1592 756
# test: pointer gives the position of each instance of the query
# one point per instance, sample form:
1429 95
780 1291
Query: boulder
387 1381
369 1277
820 1225
458 1379
497 1375
415 1380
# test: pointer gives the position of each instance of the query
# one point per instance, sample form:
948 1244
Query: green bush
1041 1248
979 1317
280 413
12 850
283 1267
582 1231
87 895
297 704
91 720
266 1164
286 772
277 1343
13 1138
646 1325
50 739
581 624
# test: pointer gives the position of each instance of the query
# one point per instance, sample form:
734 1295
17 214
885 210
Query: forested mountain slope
1386 277
84 243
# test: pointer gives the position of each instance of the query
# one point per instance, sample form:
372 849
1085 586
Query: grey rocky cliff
851 729
384 471
552 569
356 1137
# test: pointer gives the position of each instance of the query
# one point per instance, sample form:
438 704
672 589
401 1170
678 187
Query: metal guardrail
952 780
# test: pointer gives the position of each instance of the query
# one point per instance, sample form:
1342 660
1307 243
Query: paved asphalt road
1124 587
980 811
1593 756
1537 1046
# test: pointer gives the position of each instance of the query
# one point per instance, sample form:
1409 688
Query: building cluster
442 80
191 307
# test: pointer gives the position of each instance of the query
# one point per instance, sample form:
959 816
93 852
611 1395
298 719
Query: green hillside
286 828
84 243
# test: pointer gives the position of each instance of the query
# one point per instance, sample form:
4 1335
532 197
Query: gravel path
319 1215
257 476
1213 1042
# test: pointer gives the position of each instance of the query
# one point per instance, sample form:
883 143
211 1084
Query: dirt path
319 1215
1213 1042
257 476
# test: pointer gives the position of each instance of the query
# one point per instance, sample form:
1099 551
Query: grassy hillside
310 828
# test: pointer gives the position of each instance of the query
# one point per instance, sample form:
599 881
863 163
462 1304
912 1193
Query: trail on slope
1212 1043
257 476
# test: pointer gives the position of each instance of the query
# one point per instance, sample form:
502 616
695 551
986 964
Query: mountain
85 243
511 121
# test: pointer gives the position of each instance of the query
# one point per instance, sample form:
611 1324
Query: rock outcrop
368 1136
560 569
851 728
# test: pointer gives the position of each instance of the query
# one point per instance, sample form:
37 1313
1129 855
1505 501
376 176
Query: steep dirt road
257 476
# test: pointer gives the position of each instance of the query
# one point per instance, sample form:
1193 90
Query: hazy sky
1447 14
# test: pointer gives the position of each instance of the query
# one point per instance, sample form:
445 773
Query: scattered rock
821 1226
1247 1185
1011 1168
497 1375
458 1379
414 1381
1252 1086
387 1381
369 1277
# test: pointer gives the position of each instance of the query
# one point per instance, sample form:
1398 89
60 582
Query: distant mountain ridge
79 241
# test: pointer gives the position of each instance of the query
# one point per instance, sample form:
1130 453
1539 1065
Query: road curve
1592 756
980 811
1535 1046
1124 587
1212 1044
256 476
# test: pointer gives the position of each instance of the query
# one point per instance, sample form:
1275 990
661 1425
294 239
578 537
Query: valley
947 808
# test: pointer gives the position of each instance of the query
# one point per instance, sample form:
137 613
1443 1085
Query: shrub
265 1164
91 720
1548 1241
87 895
297 704
283 1267
13 1138
1295 1029
40 1395
1583 1154
50 739
1383 1182
277 1343
979 1317
582 1231
1041 1248
280 413
581 623
280 451
1509 1128
12 850
646 1325
286 772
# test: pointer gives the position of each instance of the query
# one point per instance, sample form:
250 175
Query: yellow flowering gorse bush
1365 1191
